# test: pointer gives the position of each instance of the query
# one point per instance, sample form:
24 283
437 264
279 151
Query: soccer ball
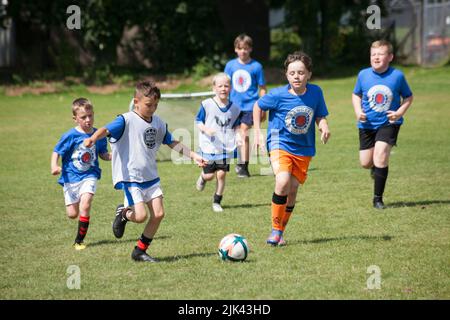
233 247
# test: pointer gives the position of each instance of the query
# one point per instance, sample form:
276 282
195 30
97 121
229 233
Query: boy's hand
258 143
325 135
393 116
56 170
361 117
88 142
201 162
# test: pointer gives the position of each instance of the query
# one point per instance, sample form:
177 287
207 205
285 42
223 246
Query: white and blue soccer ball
233 247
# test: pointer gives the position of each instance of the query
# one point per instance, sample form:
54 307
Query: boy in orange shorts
293 109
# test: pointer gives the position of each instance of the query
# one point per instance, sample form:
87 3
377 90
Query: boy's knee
72 214
159 215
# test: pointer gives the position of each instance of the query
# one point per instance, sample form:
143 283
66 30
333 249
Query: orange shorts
283 161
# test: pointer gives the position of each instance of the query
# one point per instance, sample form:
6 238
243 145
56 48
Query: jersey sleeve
268 101
405 91
322 110
63 145
116 127
201 115
358 90
168 138
102 146
228 69
261 79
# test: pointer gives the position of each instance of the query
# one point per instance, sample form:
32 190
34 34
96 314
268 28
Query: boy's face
146 106
380 58
222 88
243 51
297 75
85 119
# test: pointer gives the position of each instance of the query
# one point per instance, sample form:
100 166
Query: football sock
380 176
287 216
217 198
83 225
124 214
143 243
278 210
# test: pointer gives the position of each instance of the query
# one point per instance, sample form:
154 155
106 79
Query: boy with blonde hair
216 120
80 169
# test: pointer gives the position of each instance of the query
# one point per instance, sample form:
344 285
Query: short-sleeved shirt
134 146
379 93
292 119
245 79
79 162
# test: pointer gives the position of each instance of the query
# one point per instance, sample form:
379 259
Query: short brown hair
79 103
383 43
244 39
298 56
147 89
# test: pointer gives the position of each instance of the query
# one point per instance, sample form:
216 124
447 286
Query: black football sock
83 225
380 176
217 198
143 243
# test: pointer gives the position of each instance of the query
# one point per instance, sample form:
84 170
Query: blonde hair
79 103
219 75
383 43
243 38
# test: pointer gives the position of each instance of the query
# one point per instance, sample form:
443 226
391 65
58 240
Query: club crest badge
299 119
150 137
241 80
380 98
83 158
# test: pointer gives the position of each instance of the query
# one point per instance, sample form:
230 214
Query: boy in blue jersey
80 169
216 120
380 99
294 109
247 76
135 138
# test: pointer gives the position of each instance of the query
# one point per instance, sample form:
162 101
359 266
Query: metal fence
422 30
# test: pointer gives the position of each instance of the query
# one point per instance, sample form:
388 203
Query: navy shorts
247 117
388 134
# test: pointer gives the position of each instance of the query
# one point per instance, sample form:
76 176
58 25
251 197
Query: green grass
333 236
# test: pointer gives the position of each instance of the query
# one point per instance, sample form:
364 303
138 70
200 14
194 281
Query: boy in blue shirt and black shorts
380 99
247 76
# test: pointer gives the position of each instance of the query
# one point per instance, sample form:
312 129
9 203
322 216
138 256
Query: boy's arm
395 115
322 123
54 167
99 134
360 115
257 115
182 149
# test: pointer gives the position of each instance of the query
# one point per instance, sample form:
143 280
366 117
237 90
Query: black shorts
247 117
388 134
214 166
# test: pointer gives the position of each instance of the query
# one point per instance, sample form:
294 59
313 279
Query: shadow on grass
117 241
324 240
422 204
246 205
186 256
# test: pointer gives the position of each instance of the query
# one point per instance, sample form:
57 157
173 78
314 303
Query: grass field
333 237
